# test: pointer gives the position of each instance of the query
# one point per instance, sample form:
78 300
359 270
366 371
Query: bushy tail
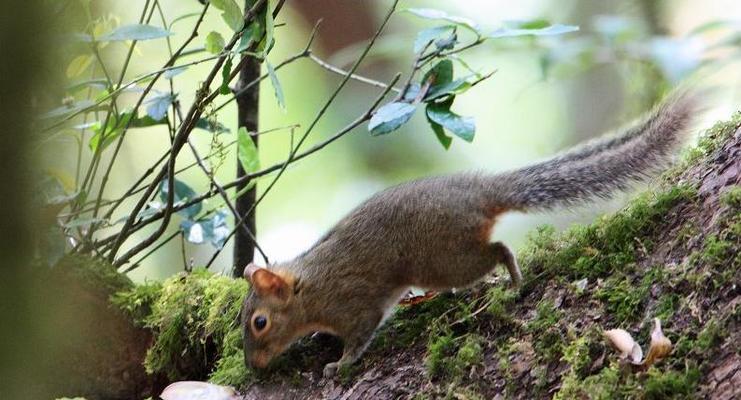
602 167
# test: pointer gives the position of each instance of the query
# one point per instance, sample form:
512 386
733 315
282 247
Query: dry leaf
195 390
660 345
659 348
624 343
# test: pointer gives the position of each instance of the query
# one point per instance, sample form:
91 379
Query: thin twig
342 72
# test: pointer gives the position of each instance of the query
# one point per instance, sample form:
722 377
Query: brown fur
433 233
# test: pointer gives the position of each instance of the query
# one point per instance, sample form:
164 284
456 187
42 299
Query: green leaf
68 109
269 27
173 72
428 35
214 42
442 81
451 88
444 139
115 128
390 117
551 30
232 14
211 126
247 151
158 105
440 113
104 136
440 74
277 89
134 32
183 193
429 13
214 230
226 72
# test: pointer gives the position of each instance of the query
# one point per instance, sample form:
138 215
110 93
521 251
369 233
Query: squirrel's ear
249 270
267 284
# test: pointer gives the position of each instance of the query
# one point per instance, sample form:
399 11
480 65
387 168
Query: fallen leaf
624 343
195 390
660 346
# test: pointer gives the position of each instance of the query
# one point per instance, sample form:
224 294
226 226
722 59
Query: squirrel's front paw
330 370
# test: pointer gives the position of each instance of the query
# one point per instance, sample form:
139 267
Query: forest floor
671 254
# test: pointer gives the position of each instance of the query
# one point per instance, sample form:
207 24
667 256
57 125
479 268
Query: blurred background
547 95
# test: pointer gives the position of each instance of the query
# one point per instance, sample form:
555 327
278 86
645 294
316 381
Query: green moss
667 306
709 142
439 352
610 244
546 315
94 272
547 339
732 197
194 321
671 384
710 336
500 301
602 386
578 353
409 324
445 358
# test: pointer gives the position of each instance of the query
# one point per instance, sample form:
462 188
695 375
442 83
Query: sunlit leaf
172 72
69 109
390 117
183 193
277 89
231 14
429 13
135 32
550 30
428 35
213 230
247 151
78 65
214 42
158 104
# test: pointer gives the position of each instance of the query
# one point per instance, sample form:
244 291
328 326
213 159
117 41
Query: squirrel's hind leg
504 255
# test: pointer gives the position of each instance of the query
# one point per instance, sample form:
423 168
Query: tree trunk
247 109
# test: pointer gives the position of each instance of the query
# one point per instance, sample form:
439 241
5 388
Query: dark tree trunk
247 109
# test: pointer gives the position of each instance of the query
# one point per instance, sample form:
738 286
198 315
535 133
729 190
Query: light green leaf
211 126
247 151
277 89
183 193
428 35
226 72
173 72
158 104
551 30
134 32
429 13
214 42
232 14
390 117
463 127
269 27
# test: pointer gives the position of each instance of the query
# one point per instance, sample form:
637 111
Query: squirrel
434 233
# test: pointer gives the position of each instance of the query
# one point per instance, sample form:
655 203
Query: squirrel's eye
260 322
